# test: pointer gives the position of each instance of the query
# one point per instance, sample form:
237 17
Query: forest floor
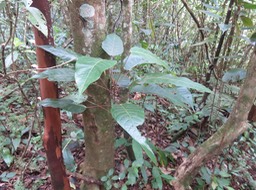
152 129
32 173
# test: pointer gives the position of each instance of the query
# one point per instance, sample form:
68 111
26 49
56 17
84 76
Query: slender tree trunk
236 125
88 32
52 123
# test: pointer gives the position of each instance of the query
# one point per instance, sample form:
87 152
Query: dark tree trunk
52 123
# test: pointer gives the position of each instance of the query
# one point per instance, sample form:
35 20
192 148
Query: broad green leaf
137 150
11 58
129 116
122 80
17 42
113 45
247 21
7 156
132 61
89 69
59 75
159 78
10 174
234 75
16 143
206 174
172 95
140 56
77 98
69 160
66 104
59 52
249 5
38 20
224 27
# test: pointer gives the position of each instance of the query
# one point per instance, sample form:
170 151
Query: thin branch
199 28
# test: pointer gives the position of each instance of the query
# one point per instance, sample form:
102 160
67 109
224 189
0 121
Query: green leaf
77 98
59 75
159 78
158 178
59 52
234 75
253 37
11 58
224 27
246 21
64 103
113 45
104 178
139 56
7 156
38 20
144 174
172 95
132 61
206 174
69 160
137 150
129 116
16 143
249 5
89 69
10 174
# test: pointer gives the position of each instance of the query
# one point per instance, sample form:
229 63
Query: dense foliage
184 72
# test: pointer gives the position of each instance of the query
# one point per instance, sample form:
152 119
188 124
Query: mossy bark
236 125
88 34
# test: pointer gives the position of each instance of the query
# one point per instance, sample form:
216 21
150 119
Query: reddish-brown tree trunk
52 123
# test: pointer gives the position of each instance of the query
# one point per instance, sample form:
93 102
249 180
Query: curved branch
236 125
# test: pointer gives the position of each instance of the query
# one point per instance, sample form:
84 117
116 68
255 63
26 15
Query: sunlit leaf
89 69
159 78
249 5
246 21
113 45
139 56
172 94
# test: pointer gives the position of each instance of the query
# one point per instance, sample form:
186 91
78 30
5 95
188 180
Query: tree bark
88 33
52 123
236 125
